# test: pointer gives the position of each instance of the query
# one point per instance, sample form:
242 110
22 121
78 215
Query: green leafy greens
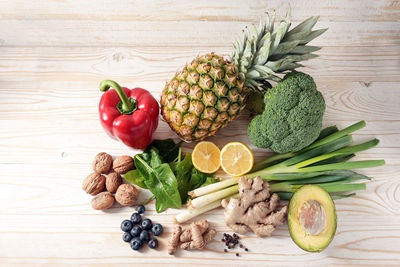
168 174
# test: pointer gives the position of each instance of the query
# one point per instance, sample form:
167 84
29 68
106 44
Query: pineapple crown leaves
264 51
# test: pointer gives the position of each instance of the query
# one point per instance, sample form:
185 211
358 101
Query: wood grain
53 55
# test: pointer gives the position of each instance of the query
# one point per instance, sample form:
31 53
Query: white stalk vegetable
213 187
206 199
190 213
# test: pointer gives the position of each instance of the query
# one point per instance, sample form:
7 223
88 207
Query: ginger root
195 236
186 235
255 210
174 240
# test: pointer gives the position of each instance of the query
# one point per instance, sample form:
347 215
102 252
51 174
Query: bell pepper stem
127 105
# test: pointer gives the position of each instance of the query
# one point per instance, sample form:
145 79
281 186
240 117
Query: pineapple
210 91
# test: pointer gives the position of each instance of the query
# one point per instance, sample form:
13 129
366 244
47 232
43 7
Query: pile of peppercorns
137 231
231 241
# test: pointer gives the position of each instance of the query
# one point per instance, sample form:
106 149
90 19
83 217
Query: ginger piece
187 245
186 235
197 236
255 210
174 240
208 236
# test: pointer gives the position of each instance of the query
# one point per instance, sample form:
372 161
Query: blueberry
141 209
153 243
147 224
136 243
157 229
144 236
136 230
126 225
136 218
126 237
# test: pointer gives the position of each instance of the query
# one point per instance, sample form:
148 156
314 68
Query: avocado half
312 218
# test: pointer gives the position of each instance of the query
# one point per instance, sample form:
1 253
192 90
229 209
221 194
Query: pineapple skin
203 97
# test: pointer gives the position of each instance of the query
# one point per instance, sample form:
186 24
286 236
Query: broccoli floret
293 115
254 131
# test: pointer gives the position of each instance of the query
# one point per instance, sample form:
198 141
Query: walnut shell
113 181
123 164
126 195
94 183
103 201
102 163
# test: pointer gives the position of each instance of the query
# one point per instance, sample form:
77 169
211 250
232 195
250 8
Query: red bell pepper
130 116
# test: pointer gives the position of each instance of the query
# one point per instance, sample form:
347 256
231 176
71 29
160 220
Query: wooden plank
175 33
155 65
206 10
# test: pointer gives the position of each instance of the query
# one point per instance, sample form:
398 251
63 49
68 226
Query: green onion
352 128
213 187
190 212
336 159
329 187
344 165
205 199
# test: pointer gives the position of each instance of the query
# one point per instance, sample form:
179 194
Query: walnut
126 195
123 164
94 183
113 181
103 201
256 210
102 163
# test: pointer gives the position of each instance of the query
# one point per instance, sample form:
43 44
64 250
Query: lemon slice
236 159
206 157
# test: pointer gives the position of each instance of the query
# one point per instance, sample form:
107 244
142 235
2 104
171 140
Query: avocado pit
312 217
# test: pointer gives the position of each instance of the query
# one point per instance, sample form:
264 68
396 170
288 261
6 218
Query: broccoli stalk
323 163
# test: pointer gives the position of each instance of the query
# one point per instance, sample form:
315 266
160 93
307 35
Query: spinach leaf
197 179
143 166
167 148
183 173
146 156
156 159
162 183
134 177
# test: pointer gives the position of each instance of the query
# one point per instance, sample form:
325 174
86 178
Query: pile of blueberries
137 231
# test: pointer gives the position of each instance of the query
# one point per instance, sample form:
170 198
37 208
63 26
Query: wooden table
53 54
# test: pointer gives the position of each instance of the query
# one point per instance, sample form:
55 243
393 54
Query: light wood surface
53 54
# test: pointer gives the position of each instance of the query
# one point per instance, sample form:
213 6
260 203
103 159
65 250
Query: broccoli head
292 118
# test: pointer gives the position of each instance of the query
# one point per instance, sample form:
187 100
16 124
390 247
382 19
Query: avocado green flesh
312 218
